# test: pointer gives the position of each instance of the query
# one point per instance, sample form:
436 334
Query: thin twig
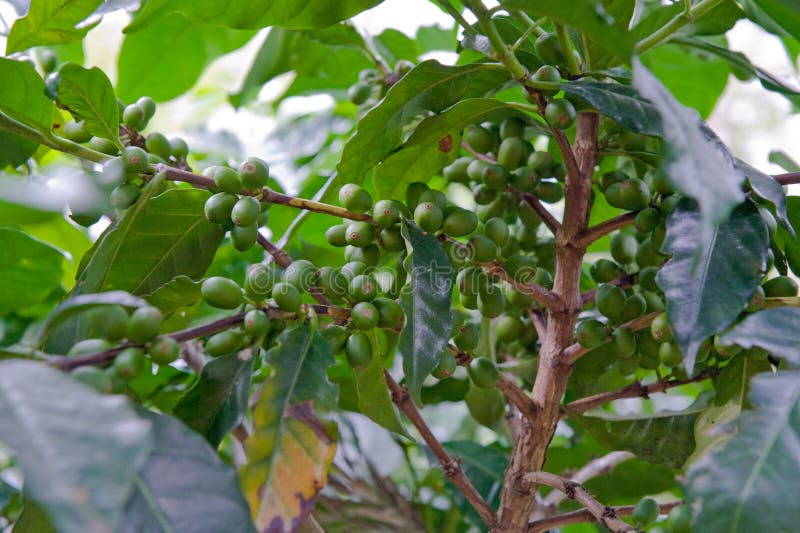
575 351
540 295
635 390
574 491
585 516
450 465
588 236
790 178
532 201
598 466
538 321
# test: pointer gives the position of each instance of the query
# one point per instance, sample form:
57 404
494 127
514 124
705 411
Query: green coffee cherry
144 324
390 312
337 235
647 278
129 363
660 328
510 152
358 350
364 316
495 176
624 342
610 301
623 247
158 144
507 327
482 249
222 293
547 73
104 146
362 288
413 191
541 162
224 342
549 191
544 278
391 240
468 336
370 254
483 373
725 350
287 297
428 216
76 132
497 230
457 170
635 306
757 300
352 269
94 377
627 366
125 195
484 195
631 194
88 346
524 179
254 173
179 148
512 127
226 179
645 512
591 333
359 234
48 60
604 271
447 365
359 92
560 113
679 519
218 208
246 211
259 280
647 219
435 197
148 106
355 198
244 237
301 273
548 49
133 117
108 321
164 350
780 287
491 301
386 213
459 222
336 337
669 354
478 138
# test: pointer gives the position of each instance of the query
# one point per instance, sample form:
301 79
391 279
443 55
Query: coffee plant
563 300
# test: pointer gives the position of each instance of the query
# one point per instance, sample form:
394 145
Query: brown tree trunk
530 451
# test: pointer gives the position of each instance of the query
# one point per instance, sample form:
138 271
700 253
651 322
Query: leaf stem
505 54
534 26
685 17
585 516
566 48
457 16
589 235
51 141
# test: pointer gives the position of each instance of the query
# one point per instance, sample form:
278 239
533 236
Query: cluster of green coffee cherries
646 512
110 325
372 85
240 214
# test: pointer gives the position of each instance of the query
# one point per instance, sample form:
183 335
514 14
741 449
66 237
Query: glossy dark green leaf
696 79
184 486
180 291
426 302
435 143
272 59
742 66
30 270
767 188
374 399
608 33
166 59
430 86
89 96
775 330
510 30
697 162
218 400
71 441
51 22
81 303
254 14
394 45
665 437
791 246
430 38
748 484
601 55
630 481
705 292
15 150
22 95
620 102
484 467
783 13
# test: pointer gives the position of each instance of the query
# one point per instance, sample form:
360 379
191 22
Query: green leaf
79 450
620 102
784 13
290 451
272 59
88 95
484 467
15 150
31 270
773 329
697 162
430 86
767 188
184 486
741 66
790 243
374 399
22 95
218 400
394 45
783 160
255 14
665 437
51 22
705 293
166 59
81 303
435 143
696 79
748 484
180 291
426 302
608 33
